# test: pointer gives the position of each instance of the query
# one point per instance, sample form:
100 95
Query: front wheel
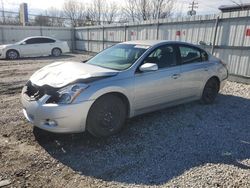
210 91
106 116
12 54
56 52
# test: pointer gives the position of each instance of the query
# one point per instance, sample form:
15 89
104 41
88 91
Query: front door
156 88
30 47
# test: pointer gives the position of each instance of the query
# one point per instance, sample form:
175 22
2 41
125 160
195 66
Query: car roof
156 42
39 37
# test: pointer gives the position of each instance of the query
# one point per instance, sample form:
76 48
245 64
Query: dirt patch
190 145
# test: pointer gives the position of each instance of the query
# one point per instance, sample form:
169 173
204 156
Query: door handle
175 76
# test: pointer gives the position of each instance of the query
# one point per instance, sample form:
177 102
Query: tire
210 91
12 54
56 52
106 116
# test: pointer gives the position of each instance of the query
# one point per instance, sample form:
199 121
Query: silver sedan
121 82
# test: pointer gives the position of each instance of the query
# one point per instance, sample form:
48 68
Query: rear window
191 54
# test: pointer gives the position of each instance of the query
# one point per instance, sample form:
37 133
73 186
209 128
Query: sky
39 6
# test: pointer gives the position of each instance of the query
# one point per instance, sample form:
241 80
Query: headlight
68 94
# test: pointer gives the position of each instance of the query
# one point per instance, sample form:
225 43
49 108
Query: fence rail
227 36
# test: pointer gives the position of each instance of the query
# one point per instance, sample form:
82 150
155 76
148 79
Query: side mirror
23 43
146 67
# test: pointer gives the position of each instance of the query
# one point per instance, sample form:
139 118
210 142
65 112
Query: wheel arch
119 94
204 84
56 47
216 78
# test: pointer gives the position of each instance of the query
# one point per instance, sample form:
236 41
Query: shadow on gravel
156 147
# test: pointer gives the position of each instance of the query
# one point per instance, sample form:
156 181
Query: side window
32 41
163 56
190 54
46 40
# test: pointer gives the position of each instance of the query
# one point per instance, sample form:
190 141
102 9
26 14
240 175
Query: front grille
33 92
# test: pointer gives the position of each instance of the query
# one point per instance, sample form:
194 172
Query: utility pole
192 7
3 12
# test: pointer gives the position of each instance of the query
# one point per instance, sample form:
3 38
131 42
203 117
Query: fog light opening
50 123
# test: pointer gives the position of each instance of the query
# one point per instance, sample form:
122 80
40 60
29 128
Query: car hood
5 46
60 74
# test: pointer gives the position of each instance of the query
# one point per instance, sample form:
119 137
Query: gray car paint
145 91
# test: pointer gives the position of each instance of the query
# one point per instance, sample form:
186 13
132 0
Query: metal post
137 31
41 31
103 42
2 32
157 30
88 38
125 32
73 39
215 34
158 15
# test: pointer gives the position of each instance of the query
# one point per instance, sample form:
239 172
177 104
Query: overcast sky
38 6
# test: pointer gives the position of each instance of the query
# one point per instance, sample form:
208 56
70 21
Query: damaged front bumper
57 118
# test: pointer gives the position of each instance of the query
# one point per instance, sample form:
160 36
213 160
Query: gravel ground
189 145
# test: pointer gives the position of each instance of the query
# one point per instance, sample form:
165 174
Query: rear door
194 70
156 88
46 45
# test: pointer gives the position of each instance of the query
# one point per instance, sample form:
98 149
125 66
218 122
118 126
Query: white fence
227 34
12 34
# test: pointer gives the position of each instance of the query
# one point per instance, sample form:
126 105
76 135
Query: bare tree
138 10
95 10
130 11
110 13
56 17
162 8
75 11
144 9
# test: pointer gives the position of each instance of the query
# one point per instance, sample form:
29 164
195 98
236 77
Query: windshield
118 57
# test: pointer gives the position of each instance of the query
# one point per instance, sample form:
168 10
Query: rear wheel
12 54
56 52
106 116
210 91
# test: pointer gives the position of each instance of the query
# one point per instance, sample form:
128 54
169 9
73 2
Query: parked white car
34 46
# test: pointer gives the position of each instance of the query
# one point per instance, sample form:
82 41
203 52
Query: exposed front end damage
48 97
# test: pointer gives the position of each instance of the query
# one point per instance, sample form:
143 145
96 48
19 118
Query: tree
101 11
75 11
110 13
95 11
55 17
130 10
137 10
